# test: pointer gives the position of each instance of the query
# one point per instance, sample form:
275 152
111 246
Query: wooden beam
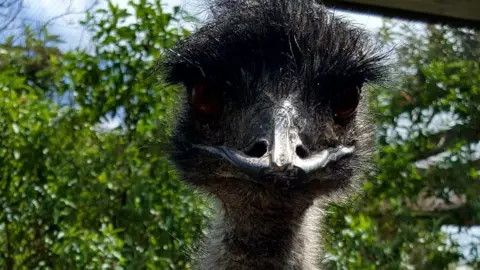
454 12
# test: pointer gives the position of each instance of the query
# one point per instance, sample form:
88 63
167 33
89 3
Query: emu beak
286 139
252 166
259 167
281 161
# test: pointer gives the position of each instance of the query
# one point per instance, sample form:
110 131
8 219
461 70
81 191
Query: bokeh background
84 183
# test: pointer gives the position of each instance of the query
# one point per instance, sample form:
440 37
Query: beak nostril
258 149
301 151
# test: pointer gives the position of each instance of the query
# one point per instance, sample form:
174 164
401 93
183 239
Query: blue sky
39 11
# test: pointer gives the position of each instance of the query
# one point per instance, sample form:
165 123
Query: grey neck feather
269 239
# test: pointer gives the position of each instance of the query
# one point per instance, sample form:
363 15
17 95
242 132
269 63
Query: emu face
274 99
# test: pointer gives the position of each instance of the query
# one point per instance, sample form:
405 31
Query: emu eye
345 104
206 101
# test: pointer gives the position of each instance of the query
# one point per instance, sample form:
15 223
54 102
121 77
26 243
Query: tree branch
462 215
13 15
448 138
68 12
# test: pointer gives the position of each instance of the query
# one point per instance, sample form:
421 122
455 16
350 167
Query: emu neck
259 233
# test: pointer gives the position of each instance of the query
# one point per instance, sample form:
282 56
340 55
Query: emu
273 123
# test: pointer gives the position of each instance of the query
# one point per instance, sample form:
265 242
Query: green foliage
427 171
74 195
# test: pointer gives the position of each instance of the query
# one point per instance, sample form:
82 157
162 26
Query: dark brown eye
205 100
345 104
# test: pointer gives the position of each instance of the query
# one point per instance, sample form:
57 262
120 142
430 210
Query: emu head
274 100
